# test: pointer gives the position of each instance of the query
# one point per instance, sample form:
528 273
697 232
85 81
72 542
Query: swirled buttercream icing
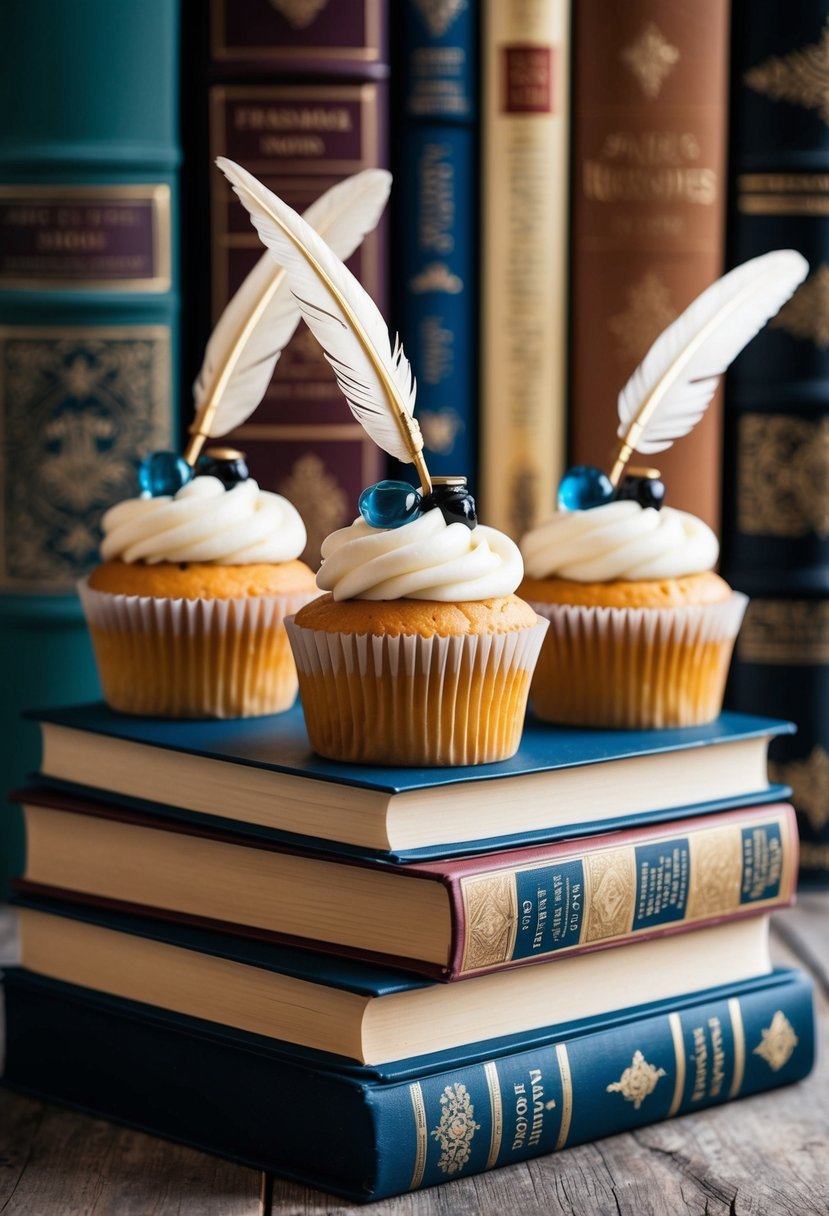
204 522
427 559
619 540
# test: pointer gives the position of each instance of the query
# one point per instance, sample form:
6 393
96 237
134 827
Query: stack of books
377 980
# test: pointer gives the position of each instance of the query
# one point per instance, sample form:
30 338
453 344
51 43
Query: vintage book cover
89 319
367 1133
297 94
447 919
261 774
524 187
648 210
775 507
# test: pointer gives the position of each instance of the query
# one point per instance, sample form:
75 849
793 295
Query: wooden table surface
764 1156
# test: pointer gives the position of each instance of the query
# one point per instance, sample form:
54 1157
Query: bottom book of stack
369 1132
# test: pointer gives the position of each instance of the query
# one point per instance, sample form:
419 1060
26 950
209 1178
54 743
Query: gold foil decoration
778 1042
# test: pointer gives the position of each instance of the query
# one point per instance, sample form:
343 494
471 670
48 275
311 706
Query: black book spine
776 443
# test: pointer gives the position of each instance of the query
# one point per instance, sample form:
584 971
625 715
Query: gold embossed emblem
299 13
320 500
440 428
491 914
651 58
439 14
716 873
637 1081
456 1129
801 77
806 314
649 311
436 277
783 475
612 885
809 779
778 1042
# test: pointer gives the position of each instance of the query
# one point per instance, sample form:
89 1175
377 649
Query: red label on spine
528 80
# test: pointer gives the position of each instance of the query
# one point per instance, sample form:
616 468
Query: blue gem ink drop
163 473
389 504
583 487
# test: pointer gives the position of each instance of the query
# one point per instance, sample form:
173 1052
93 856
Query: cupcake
641 629
187 610
420 654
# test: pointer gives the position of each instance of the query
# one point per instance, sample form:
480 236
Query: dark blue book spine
358 1134
436 276
775 510
88 322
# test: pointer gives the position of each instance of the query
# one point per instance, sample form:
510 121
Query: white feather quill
261 317
673 385
374 376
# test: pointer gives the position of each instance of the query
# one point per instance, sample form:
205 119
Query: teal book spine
88 323
369 1134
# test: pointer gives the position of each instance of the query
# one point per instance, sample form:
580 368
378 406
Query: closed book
355 1010
648 212
775 529
449 919
89 318
524 191
262 774
299 98
367 1133
435 161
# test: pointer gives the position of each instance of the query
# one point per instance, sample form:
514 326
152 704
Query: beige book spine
524 259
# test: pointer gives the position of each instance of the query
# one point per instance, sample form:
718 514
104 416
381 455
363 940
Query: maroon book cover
507 909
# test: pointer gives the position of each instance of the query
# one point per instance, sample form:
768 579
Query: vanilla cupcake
641 629
187 611
421 653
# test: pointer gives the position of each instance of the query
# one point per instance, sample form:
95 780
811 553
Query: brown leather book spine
649 142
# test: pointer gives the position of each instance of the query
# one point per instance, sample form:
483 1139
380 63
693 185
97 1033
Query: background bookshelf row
567 179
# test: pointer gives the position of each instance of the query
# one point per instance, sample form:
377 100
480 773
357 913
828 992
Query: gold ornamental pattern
491 915
611 904
648 312
638 1081
716 873
650 58
439 14
809 779
456 1129
777 1043
299 13
783 476
321 501
806 314
801 77
790 632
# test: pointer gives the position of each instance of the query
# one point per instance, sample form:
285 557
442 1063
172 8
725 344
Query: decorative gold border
497 1109
158 195
369 52
419 1109
675 1023
566 1095
738 1030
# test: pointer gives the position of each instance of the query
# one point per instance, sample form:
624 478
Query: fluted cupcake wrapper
201 658
635 667
413 700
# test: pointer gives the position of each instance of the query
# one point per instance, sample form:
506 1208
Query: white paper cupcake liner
411 700
635 667
201 658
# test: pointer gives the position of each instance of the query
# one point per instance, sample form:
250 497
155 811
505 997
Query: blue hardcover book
369 1133
261 774
437 174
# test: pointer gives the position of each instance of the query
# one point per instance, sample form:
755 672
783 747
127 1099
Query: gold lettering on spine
738 1031
566 1095
497 1110
675 1024
419 1110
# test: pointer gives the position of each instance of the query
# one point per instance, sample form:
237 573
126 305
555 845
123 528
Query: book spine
672 881
649 135
524 179
301 104
437 174
88 322
368 1139
775 529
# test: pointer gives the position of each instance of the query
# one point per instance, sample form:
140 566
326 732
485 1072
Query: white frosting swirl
427 559
619 540
204 522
